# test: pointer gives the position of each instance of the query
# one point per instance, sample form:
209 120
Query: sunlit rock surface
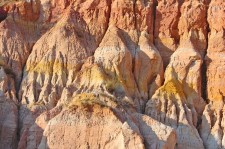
126 74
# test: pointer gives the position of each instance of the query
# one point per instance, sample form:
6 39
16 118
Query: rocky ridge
112 74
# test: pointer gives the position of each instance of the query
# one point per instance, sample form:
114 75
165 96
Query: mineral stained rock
117 74
166 33
212 127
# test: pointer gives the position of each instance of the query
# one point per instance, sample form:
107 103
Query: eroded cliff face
212 128
112 74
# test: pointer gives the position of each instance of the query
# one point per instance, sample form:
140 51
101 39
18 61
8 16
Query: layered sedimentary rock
166 33
14 48
51 64
98 126
193 19
56 71
212 128
128 83
14 52
178 103
112 74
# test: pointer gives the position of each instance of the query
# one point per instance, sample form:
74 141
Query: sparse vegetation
85 99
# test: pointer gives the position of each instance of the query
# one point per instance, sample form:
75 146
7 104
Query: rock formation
166 33
112 74
212 128
8 108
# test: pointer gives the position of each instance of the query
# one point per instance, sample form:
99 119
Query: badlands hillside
112 74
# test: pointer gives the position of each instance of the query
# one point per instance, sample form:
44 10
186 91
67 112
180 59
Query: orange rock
28 11
89 74
166 33
99 126
212 127
193 19
178 103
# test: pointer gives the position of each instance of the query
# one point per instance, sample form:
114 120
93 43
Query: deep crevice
135 16
22 75
155 4
204 79
107 22
204 64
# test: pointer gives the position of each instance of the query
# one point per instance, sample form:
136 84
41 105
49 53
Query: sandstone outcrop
52 64
14 53
88 118
178 103
166 33
14 48
193 19
212 128
58 75
8 109
112 74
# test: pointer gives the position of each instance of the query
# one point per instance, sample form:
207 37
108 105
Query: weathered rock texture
8 108
166 33
110 126
212 128
112 74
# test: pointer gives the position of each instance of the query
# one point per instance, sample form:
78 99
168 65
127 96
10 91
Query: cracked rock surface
112 74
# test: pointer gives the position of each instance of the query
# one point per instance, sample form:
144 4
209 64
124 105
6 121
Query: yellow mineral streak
49 67
173 86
